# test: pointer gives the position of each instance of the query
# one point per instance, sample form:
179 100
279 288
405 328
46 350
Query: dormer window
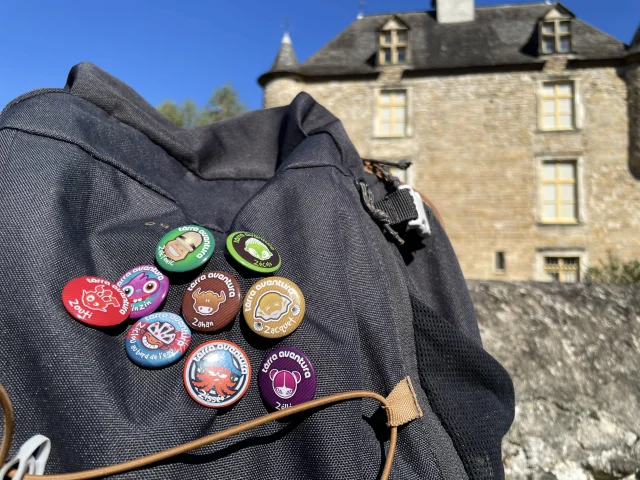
555 31
394 43
556 36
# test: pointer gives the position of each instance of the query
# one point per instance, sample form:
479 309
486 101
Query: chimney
454 11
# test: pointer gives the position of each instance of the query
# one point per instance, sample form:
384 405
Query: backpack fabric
91 176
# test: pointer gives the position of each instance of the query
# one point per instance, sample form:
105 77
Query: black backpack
92 176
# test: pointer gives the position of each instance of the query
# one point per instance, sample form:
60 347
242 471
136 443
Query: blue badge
158 340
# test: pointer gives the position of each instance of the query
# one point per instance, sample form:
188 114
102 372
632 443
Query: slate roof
286 60
499 36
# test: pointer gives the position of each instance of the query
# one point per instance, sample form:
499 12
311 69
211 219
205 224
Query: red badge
96 301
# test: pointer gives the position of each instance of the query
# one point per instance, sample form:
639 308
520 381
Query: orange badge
274 307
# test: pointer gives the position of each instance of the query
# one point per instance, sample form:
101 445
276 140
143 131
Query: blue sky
183 49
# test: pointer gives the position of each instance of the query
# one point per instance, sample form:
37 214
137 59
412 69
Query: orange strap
7 411
148 460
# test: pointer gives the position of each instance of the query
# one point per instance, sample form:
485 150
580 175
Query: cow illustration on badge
207 302
211 301
217 374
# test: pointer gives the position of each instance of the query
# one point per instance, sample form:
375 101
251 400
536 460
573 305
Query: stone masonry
572 353
475 146
477 150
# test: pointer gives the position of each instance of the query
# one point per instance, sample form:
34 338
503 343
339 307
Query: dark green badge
253 252
185 248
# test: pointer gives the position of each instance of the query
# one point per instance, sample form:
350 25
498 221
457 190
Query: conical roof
286 60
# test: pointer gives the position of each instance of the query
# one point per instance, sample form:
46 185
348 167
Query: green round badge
185 248
253 252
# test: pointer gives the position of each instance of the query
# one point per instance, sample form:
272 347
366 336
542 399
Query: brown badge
273 307
211 301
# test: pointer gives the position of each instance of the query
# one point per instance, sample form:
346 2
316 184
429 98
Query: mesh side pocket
467 388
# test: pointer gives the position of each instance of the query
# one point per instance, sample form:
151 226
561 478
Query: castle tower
282 82
633 82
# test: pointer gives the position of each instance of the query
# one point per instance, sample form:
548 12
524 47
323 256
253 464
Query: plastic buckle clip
31 458
421 224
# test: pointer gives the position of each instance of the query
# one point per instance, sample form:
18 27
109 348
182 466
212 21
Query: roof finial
361 10
286 38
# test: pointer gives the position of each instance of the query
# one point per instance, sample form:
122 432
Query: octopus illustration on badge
158 340
217 374
286 378
185 248
274 307
146 287
253 252
211 301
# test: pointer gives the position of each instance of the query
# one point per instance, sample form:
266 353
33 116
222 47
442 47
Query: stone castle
521 123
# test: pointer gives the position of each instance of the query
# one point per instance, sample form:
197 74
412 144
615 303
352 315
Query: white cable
31 458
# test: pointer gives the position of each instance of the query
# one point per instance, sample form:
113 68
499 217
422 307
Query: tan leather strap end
402 404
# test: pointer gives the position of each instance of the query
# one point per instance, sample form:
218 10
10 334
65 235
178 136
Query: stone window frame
581 213
561 252
563 267
558 183
556 16
578 113
556 35
408 111
393 27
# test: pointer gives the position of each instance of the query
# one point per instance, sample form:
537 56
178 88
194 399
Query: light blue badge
158 340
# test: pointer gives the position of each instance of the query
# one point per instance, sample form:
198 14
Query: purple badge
286 378
146 288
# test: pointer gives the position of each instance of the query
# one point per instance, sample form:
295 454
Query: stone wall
477 150
573 352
